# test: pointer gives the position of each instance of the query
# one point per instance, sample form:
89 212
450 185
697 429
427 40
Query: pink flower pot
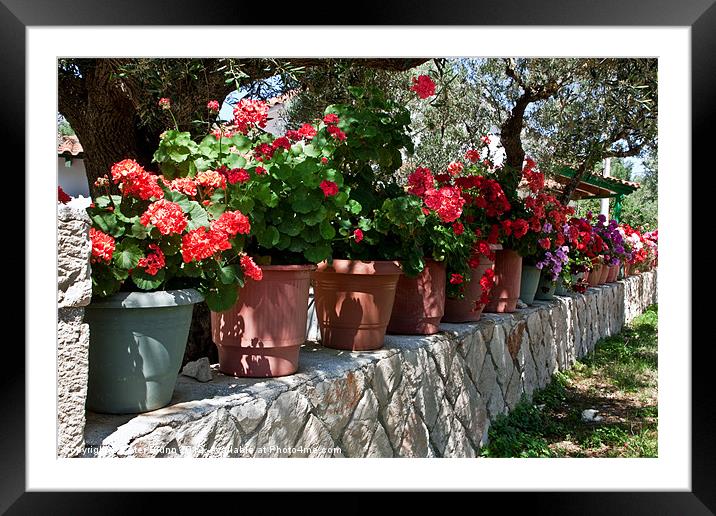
260 336
508 275
419 302
465 310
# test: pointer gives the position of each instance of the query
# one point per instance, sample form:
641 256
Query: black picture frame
699 15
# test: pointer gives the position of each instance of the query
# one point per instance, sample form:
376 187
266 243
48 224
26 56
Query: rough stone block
72 374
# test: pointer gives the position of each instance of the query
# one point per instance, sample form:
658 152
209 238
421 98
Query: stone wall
74 290
430 396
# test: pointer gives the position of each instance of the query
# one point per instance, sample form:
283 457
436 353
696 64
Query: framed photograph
39 38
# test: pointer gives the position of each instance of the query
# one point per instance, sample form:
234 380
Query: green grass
619 379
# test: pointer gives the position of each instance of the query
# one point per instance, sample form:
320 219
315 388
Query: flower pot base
258 362
408 326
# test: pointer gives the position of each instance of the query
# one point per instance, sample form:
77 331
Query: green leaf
197 216
308 203
311 234
291 227
268 237
241 142
107 223
127 255
220 297
227 275
283 242
311 219
353 207
235 161
317 253
145 281
216 210
264 194
310 150
327 230
139 231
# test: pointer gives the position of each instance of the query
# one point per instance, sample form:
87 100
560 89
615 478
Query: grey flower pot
545 288
528 283
137 342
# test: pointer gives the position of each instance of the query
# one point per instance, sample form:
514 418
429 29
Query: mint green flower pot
137 342
545 288
560 289
528 283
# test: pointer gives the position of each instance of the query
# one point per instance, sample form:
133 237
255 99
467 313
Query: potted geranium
292 192
420 301
473 238
355 290
156 251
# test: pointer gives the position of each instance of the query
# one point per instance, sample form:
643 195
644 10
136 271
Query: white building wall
72 179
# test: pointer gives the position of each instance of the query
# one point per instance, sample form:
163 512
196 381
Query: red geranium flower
424 86
358 235
456 279
250 268
102 246
329 188
166 216
153 262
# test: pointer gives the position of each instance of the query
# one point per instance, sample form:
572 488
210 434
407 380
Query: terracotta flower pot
419 302
464 310
260 336
354 301
508 274
613 272
594 275
604 274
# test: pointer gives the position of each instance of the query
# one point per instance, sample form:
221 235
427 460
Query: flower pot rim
157 299
496 247
296 267
366 267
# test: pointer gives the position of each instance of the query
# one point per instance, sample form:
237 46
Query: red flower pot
508 274
604 274
463 310
354 301
260 336
419 302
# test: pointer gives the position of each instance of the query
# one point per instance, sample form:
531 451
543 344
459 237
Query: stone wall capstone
419 396
74 291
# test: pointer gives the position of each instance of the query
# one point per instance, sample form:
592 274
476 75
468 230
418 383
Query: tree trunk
104 119
511 139
582 172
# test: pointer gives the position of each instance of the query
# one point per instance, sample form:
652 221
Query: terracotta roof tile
69 145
